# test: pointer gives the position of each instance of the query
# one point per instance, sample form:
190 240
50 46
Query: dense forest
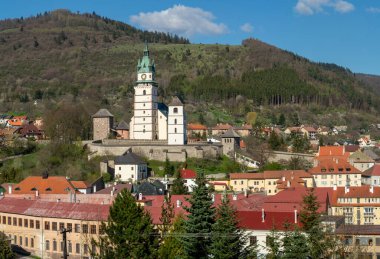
61 56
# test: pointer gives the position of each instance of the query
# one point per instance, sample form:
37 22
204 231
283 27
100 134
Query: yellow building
360 204
35 226
270 182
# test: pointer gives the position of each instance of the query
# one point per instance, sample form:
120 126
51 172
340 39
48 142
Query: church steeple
145 64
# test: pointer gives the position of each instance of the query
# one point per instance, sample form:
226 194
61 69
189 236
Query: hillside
91 60
371 80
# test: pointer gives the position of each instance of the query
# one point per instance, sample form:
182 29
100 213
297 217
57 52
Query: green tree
5 248
172 246
129 232
282 120
178 186
167 215
294 245
274 141
168 168
273 244
318 240
227 239
201 217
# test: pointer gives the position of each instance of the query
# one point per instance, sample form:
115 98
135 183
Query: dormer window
48 189
340 169
331 170
17 188
34 189
323 170
348 169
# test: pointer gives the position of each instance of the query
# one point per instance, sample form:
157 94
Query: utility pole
63 232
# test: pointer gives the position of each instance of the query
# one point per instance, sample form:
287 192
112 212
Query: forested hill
60 55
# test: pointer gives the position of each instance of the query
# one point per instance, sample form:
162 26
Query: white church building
152 120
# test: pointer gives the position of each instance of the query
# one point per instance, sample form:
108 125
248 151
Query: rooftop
188 174
44 185
230 133
102 113
129 159
175 101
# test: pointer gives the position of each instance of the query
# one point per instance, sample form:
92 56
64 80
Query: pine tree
227 239
281 120
200 218
178 186
273 244
274 141
5 248
172 246
317 239
129 232
167 215
168 168
294 245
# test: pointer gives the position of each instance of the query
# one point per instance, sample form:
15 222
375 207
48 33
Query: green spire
145 65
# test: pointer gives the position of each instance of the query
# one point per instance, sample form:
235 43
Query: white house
189 177
130 167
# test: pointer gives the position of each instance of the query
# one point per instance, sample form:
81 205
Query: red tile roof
80 184
373 171
272 220
50 185
333 166
331 151
64 210
222 127
355 192
195 126
188 174
271 174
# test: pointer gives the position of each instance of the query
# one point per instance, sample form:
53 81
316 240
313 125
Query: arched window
175 121
175 110
144 92
175 130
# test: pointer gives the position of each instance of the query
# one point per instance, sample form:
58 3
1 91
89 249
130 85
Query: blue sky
345 32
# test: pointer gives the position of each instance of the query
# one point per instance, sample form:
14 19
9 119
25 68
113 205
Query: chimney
178 203
112 192
262 215
283 178
245 193
334 187
346 189
10 189
37 193
295 216
234 197
94 189
371 189
140 196
288 184
58 200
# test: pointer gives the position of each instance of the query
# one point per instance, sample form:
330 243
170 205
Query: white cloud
310 7
373 10
181 20
247 27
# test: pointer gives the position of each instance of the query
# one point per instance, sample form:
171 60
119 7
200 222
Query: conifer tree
200 218
5 248
273 244
129 231
168 168
227 239
172 246
167 215
294 245
178 186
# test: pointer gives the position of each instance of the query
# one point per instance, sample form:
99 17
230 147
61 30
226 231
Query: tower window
144 92
175 130
175 121
175 110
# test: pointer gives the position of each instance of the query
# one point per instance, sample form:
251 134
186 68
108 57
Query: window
132 168
175 130
20 238
84 228
69 226
47 225
252 240
31 223
69 246
77 228
14 221
144 92
54 226
175 110
93 229
54 245
26 223
101 230
77 248
9 221
15 239
175 121
37 224
20 222
61 246
4 220
31 242
47 245
61 225
85 249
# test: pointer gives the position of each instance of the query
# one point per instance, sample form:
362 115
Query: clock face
143 76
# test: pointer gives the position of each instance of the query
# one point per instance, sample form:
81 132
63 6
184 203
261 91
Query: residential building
371 176
361 161
35 226
130 168
189 176
333 171
309 132
30 131
245 130
220 129
270 182
17 121
196 131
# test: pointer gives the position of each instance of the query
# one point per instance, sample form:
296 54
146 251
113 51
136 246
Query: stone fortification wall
155 150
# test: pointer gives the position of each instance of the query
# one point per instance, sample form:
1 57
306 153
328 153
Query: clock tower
144 120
